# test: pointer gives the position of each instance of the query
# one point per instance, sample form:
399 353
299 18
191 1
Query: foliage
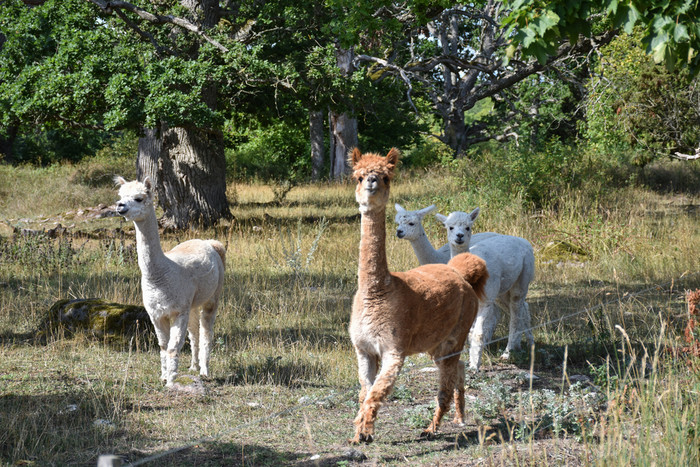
278 151
638 108
535 175
671 30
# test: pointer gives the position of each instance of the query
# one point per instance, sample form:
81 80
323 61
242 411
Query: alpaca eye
386 179
452 228
468 228
138 200
359 179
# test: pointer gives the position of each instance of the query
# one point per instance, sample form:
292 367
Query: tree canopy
463 73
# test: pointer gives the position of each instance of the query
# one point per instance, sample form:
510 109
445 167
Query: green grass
628 255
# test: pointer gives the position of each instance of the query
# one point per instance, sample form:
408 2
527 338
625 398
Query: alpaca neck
424 249
373 271
150 253
458 249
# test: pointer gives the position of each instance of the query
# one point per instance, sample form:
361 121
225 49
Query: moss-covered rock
562 251
101 319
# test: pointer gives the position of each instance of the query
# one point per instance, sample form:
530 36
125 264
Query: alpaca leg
206 331
449 372
178 331
162 328
519 325
367 366
481 332
382 387
193 333
527 324
459 395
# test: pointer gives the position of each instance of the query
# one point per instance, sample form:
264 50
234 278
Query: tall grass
607 261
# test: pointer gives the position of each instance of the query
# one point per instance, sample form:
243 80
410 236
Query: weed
418 416
292 249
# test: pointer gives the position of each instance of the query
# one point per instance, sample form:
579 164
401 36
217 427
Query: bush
536 176
275 152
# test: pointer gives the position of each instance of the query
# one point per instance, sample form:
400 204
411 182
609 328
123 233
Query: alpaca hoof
505 356
427 434
458 421
361 438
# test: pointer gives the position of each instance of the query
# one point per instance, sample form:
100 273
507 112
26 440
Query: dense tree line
286 88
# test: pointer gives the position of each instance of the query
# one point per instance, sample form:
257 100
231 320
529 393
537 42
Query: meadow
607 382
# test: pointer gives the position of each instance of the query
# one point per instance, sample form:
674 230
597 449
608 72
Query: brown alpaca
428 309
693 298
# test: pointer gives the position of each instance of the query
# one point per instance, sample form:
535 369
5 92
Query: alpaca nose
121 208
399 233
460 237
372 184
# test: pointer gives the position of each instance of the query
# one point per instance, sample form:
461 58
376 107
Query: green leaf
611 6
544 22
680 33
529 38
626 17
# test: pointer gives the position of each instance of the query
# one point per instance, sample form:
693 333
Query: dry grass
605 264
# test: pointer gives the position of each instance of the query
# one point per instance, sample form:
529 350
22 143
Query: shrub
275 152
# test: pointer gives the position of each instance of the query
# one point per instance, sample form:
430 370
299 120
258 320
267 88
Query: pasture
602 386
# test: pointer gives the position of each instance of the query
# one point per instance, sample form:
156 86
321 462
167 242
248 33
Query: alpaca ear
440 217
392 158
119 180
423 212
399 208
354 156
474 214
147 183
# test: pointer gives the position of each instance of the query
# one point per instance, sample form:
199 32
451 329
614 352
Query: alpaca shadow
275 371
226 453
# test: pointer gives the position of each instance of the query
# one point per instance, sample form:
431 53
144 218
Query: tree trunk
316 138
192 175
343 126
455 131
148 155
344 137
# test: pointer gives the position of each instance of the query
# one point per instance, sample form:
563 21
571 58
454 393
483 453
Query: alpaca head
136 199
409 223
459 226
373 174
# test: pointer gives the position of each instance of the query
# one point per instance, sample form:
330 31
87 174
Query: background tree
69 64
455 55
637 106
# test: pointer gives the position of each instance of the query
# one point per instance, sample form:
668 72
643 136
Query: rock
99 318
188 384
354 455
562 251
579 379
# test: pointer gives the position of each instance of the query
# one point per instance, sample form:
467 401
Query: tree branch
109 6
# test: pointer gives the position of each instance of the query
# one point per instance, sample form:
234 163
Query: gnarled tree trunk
316 139
343 126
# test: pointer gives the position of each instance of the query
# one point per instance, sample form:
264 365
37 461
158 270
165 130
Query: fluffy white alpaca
410 227
181 288
511 265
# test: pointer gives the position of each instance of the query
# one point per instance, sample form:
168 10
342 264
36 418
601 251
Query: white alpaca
181 288
410 227
511 265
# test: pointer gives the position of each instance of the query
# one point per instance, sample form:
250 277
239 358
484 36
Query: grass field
603 385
